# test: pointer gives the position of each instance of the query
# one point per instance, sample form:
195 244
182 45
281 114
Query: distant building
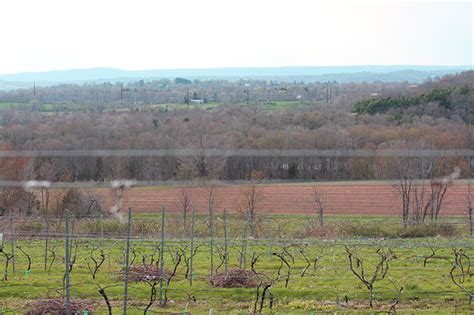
199 101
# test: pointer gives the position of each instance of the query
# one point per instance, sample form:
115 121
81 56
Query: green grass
322 290
279 105
270 105
73 107
180 106
284 226
9 105
426 288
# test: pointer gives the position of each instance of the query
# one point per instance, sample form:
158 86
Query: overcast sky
167 34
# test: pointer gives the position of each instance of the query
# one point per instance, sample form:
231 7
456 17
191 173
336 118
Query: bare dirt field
343 198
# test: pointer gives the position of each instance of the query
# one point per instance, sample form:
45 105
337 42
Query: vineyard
228 263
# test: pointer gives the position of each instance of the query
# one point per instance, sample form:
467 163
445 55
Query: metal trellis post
127 254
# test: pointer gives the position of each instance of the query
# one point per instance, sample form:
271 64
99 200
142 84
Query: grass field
269 105
279 105
27 106
330 287
8 105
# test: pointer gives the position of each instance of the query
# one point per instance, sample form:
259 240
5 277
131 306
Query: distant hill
343 74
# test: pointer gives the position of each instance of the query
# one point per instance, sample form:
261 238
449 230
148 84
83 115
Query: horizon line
452 66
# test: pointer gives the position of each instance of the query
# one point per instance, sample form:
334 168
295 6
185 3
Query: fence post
127 254
225 241
71 237
46 241
12 238
192 249
162 249
270 236
243 257
211 242
68 261
102 231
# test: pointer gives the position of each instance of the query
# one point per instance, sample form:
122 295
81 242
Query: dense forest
434 115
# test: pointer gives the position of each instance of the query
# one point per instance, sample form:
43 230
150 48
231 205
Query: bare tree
211 199
185 200
407 170
439 188
198 135
404 188
252 195
11 169
437 197
319 203
420 192
356 265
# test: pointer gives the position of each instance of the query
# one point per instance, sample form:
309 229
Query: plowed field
343 198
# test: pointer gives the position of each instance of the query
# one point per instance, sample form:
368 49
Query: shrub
114 227
428 230
395 231
80 203
29 226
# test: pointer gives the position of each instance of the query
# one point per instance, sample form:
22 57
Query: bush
367 230
395 231
80 203
114 227
32 227
429 230
111 227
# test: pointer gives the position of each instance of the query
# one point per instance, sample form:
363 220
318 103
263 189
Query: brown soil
344 198
58 307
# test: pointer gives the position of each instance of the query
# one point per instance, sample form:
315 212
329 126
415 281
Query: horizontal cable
240 153
197 183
